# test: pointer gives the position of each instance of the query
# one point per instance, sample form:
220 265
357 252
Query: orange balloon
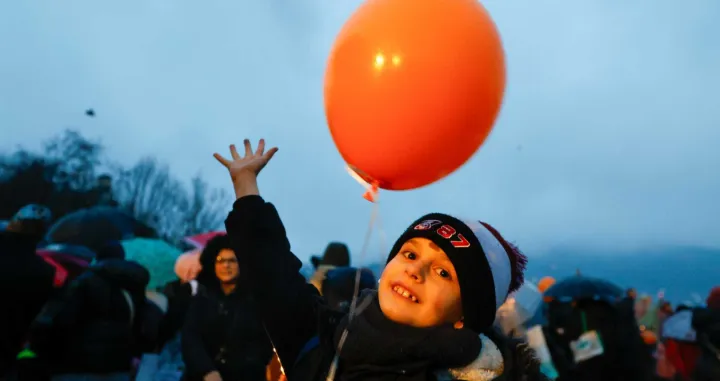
412 88
545 283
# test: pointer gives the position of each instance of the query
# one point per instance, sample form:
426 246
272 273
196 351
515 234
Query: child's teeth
404 293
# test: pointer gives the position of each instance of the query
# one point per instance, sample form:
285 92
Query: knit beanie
31 219
488 268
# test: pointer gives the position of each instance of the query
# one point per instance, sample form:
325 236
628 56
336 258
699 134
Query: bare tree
78 158
206 209
151 194
59 176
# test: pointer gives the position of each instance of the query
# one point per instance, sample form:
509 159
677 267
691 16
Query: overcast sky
607 135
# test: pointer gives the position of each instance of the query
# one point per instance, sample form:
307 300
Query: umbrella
95 227
679 327
69 261
76 252
581 287
199 241
157 256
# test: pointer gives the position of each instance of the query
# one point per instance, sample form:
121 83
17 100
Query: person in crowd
430 317
26 280
102 193
179 294
647 313
631 293
624 355
540 315
96 329
336 254
706 322
664 311
677 358
338 287
223 337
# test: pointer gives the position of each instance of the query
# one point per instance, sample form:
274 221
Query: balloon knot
371 187
371 193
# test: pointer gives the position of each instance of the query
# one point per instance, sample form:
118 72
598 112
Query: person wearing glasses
223 337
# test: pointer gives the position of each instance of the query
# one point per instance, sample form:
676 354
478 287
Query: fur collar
487 366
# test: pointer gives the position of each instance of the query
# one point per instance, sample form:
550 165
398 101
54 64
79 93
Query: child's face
419 287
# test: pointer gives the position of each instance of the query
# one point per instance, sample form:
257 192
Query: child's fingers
269 154
261 148
248 148
222 160
234 152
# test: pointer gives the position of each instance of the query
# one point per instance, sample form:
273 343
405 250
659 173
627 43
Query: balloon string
353 305
267 333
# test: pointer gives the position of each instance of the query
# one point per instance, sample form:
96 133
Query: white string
374 217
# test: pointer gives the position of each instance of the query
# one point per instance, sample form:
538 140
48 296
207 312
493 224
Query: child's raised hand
251 163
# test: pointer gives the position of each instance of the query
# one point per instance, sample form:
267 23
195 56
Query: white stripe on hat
497 258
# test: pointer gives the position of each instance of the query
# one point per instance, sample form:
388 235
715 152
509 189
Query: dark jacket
98 324
223 332
625 356
179 296
26 283
301 326
706 322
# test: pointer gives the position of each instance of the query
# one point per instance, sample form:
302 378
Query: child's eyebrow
411 243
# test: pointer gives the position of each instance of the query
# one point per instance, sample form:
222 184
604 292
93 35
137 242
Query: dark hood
12 243
126 274
339 284
336 254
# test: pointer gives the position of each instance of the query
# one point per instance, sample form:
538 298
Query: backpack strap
313 343
194 287
130 303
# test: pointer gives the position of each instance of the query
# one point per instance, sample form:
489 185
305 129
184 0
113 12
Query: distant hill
686 273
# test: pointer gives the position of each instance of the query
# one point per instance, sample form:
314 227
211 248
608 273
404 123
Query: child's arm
286 303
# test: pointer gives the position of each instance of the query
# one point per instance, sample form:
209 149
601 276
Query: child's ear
459 324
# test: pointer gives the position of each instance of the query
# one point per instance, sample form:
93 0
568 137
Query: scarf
377 348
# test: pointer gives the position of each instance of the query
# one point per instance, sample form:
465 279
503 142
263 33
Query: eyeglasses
223 261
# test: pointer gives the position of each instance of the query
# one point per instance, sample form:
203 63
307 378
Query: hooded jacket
97 326
303 328
26 283
706 321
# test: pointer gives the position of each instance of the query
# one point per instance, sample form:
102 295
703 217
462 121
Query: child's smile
405 292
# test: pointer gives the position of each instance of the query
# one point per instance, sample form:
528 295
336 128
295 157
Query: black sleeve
58 314
287 304
197 361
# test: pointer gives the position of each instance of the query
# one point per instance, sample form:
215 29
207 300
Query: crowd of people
241 310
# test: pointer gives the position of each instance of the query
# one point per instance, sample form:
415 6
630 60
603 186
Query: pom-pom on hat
488 267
